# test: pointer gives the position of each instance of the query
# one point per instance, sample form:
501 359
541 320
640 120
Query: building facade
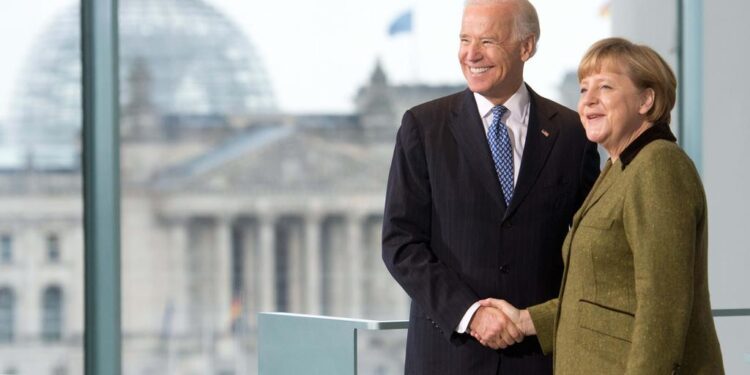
229 207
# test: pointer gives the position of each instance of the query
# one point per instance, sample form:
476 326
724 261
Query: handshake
497 324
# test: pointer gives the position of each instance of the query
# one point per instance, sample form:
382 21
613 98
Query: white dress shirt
517 121
516 118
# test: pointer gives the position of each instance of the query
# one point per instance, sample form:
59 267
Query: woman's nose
588 97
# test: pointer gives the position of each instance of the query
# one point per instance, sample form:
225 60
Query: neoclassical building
229 206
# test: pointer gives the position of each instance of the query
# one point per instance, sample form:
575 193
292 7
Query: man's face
490 57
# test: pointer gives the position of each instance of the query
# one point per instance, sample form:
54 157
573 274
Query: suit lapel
605 181
540 137
468 130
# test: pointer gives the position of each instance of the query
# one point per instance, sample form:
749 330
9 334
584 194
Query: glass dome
197 61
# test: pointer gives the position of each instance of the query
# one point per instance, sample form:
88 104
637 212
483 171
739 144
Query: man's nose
473 52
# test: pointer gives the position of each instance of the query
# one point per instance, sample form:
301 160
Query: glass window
255 158
252 181
6 248
40 185
53 248
711 110
7 314
52 314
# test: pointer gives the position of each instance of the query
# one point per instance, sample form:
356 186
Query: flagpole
414 49
415 45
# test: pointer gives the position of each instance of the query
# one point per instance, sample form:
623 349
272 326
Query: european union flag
402 24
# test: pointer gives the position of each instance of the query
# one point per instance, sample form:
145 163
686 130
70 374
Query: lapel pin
545 132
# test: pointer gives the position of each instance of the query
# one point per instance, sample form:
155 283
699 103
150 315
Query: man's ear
527 48
647 101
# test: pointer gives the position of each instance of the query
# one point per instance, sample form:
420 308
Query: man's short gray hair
526 20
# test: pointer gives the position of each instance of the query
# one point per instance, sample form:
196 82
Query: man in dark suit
482 188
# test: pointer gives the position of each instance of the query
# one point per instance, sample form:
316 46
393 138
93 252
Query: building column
296 265
29 299
77 288
313 264
354 247
223 256
178 240
250 256
267 262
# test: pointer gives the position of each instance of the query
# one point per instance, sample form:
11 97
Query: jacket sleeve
407 234
662 212
543 316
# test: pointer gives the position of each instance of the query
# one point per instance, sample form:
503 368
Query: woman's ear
647 101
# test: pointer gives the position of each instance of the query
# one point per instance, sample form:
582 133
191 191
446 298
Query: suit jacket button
504 268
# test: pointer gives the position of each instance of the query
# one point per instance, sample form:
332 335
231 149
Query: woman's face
612 108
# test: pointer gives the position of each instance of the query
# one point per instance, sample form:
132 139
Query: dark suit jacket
449 240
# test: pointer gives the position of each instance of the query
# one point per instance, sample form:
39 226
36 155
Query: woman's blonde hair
642 64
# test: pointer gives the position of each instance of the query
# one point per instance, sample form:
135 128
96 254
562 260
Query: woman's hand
521 318
493 329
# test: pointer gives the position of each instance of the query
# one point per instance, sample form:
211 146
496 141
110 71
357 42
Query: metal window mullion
691 79
730 312
101 187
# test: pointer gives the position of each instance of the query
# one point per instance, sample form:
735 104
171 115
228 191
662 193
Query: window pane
256 144
6 248
53 248
52 319
724 129
7 315
41 303
710 76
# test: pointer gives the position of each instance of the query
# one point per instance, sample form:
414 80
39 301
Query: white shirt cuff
463 325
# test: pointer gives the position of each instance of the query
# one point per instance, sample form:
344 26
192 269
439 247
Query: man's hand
521 318
493 328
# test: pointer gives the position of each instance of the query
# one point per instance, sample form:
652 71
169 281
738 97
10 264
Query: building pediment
282 160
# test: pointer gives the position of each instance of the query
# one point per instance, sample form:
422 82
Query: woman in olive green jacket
634 296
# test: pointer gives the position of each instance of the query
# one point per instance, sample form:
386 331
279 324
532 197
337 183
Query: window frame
101 184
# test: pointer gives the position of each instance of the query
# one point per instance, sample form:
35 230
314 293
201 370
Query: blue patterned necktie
502 152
